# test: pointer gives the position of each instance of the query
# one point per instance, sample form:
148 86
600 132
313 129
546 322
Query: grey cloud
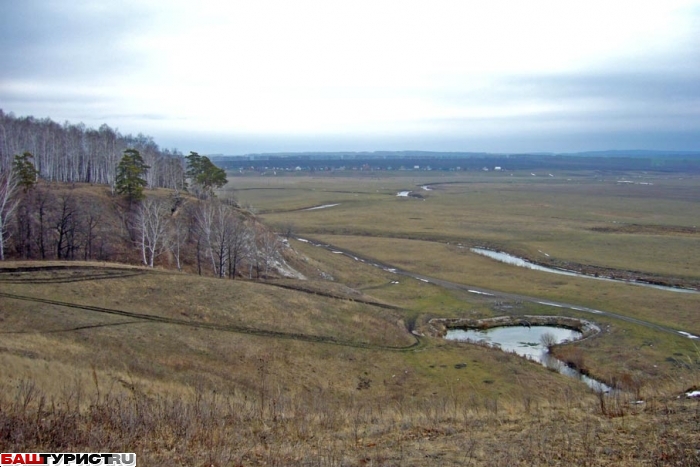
629 88
618 85
644 109
63 39
76 45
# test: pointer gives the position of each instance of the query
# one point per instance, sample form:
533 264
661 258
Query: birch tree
152 220
75 153
204 219
178 236
238 241
8 204
221 235
269 245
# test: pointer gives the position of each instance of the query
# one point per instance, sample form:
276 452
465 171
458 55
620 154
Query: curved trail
142 317
76 273
495 293
115 273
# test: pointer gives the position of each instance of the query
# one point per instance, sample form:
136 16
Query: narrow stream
314 208
494 293
527 342
520 262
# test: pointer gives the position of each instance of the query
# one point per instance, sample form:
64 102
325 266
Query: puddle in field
321 207
520 262
526 342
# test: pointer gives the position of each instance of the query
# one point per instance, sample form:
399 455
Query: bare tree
24 224
8 204
220 239
41 219
205 227
288 230
269 245
91 220
253 251
223 236
65 226
75 153
238 242
548 340
178 236
151 222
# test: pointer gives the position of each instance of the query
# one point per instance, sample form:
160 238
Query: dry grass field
114 358
586 220
188 370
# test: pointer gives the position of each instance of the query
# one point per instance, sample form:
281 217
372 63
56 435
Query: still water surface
526 341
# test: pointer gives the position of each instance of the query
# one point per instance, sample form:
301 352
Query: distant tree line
75 153
473 162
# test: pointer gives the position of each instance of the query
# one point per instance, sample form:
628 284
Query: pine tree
130 175
204 174
25 171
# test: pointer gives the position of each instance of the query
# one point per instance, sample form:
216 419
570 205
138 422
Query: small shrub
363 383
548 340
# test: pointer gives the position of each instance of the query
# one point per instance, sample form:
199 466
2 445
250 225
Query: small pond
526 341
523 340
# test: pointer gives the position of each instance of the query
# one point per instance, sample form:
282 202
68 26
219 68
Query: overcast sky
236 77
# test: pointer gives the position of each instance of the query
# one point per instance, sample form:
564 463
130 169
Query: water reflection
527 342
520 262
523 340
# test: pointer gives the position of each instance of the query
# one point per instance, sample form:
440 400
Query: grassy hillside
187 370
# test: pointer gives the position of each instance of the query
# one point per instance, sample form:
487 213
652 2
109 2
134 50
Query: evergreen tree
194 165
204 174
130 175
25 171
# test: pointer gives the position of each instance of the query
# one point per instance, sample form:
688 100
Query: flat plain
189 370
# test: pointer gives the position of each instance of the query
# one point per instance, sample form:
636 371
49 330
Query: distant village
447 162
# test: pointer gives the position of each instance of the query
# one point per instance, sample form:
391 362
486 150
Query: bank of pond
528 336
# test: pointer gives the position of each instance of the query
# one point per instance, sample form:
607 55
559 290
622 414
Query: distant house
497 169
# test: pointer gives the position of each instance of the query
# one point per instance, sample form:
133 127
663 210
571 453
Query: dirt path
142 317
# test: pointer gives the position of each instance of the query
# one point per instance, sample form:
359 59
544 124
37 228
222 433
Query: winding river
520 262
498 294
